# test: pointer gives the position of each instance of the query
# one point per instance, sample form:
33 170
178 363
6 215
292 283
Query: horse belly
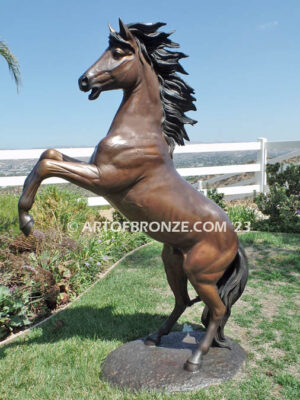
169 215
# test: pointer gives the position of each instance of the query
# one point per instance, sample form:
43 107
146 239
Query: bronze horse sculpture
132 168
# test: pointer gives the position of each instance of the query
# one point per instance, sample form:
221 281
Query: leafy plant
9 221
12 63
12 312
118 217
218 198
49 267
243 217
282 203
57 208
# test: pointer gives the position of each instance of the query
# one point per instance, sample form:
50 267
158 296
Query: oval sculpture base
136 366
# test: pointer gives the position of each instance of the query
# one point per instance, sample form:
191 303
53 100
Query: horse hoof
27 224
152 341
191 367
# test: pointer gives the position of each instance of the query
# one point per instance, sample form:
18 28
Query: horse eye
117 54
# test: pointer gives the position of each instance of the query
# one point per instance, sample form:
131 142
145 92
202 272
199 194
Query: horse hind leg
177 279
210 296
230 288
219 283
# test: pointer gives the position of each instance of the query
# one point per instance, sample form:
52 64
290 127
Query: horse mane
176 95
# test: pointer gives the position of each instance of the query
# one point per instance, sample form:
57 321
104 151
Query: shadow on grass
92 323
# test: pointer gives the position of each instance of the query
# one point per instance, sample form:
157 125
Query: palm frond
12 62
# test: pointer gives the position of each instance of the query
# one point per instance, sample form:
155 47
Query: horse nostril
84 83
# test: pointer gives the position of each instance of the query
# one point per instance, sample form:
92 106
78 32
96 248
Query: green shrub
55 208
12 312
288 177
50 268
242 217
218 198
282 203
96 253
118 217
9 221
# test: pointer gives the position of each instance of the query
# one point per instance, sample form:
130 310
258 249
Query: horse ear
111 29
124 31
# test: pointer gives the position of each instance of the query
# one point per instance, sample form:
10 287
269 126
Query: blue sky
244 65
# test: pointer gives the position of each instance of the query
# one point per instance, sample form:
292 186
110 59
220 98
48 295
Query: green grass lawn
61 358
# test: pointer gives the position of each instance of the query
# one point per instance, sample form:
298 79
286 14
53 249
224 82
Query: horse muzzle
85 86
84 83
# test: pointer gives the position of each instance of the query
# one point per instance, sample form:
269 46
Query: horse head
117 68
137 52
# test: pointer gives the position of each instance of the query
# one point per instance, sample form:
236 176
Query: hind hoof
27 224
191 367
193 364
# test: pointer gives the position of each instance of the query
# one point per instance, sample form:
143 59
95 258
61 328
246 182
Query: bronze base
136 366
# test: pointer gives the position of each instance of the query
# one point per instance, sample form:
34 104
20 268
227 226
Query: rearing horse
132 168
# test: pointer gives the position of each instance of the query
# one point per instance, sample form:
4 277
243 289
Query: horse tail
230 288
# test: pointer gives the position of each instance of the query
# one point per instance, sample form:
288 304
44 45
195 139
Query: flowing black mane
176 95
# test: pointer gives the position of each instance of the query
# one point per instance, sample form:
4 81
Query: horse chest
118 153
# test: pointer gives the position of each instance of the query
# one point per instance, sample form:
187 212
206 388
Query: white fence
258 184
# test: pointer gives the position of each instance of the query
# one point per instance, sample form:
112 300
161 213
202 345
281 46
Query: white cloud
268 25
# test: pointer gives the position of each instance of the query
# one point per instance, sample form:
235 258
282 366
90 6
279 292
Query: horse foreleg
173 262
81 174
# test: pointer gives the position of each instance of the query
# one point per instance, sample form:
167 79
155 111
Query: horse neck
141 108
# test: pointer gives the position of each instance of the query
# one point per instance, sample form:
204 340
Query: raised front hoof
152 340
191 367
26 224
